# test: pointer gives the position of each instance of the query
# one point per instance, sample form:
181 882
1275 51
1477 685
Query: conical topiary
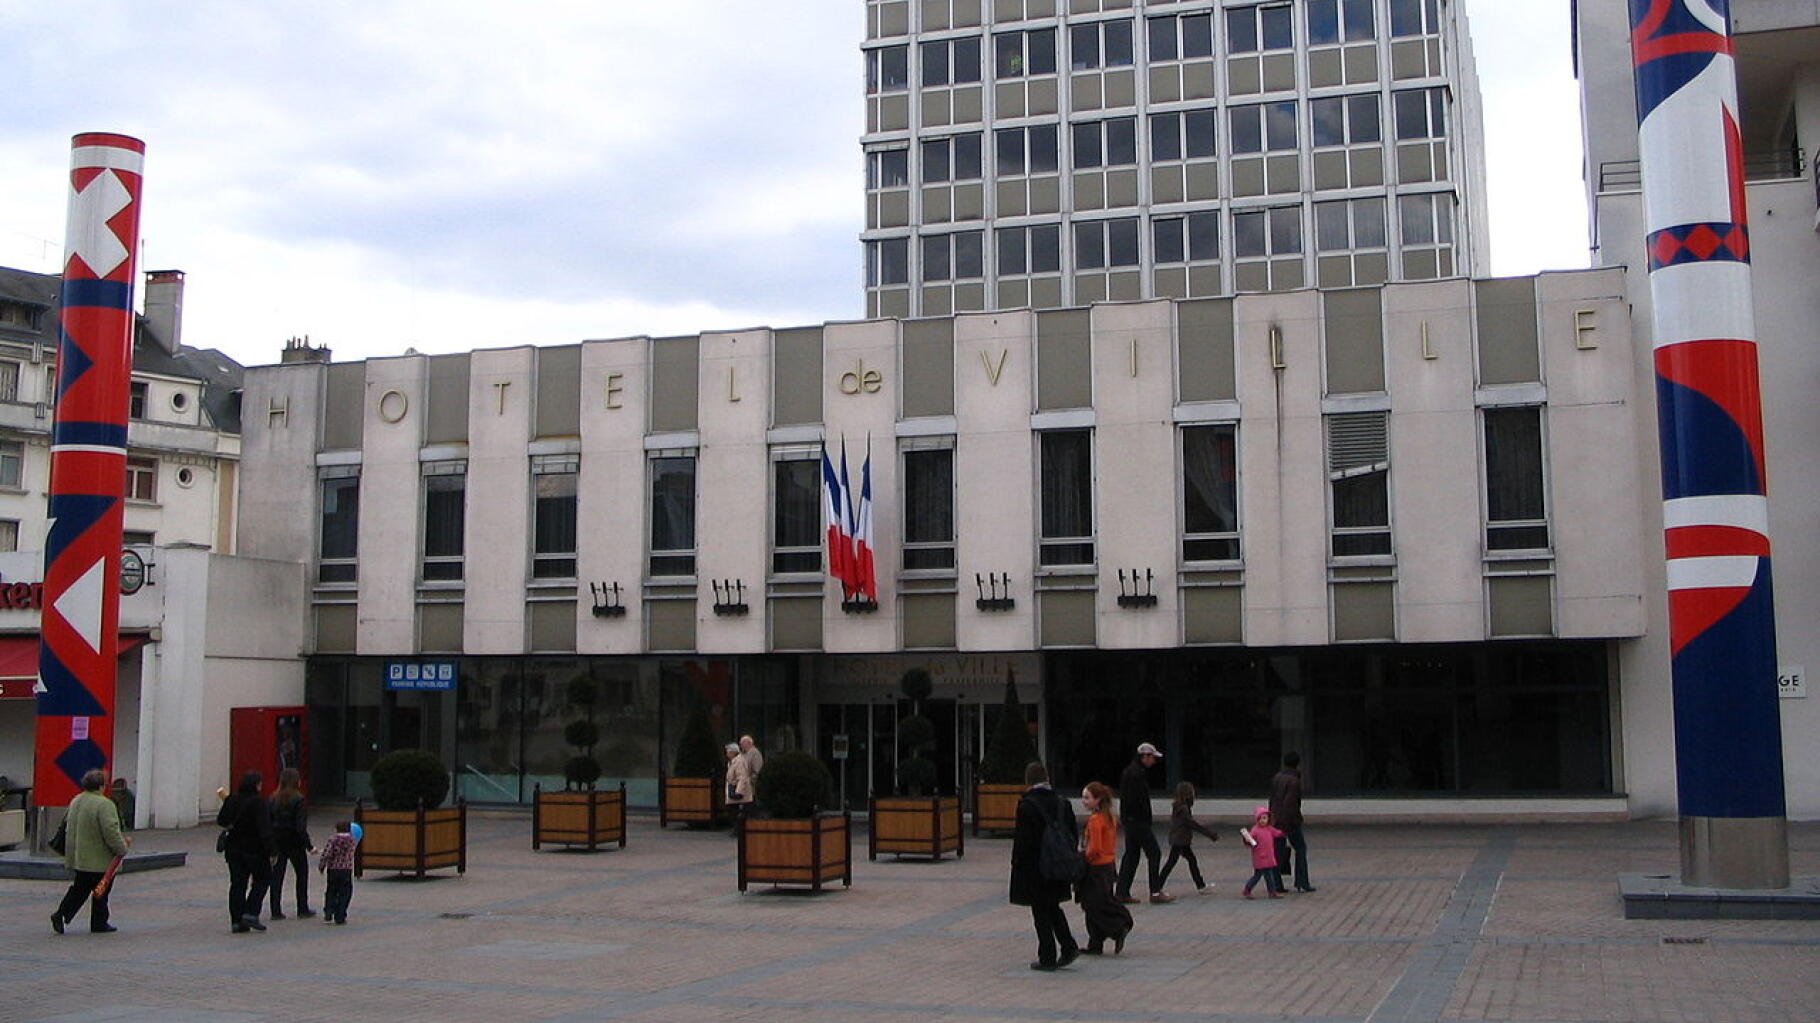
697 751
1010 750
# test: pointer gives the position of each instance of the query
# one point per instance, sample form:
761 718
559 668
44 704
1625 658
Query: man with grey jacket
91 840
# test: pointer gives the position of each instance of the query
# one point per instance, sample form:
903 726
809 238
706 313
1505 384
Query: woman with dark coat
291 832
1055 945
250 849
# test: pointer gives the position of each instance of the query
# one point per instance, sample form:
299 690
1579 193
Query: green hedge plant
794 784
407 778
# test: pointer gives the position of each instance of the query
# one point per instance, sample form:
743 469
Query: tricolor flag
865 579
840 543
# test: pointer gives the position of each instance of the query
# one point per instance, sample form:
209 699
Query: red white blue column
81 608
1722 632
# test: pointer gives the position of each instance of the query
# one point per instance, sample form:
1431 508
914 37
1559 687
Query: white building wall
391 505
278 499
1282 459
1135 466
611 495
1436 485
501 395
994 474
860 349
733 486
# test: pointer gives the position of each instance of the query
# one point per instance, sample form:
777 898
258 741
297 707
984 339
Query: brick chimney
164 308
299 349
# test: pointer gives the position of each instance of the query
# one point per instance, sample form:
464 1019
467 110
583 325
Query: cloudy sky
447 175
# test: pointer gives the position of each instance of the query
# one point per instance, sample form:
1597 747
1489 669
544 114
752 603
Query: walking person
754 757
1286 812
740 787
1182 827
249 848
1055 944
1107 917
91 841
337 861
1262 838
1135 820
291 833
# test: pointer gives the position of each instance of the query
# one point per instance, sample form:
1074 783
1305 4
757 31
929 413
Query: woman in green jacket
91 840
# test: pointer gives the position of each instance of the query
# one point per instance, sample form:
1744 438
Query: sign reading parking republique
420 675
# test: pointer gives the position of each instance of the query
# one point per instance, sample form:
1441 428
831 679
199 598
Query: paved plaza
1517 923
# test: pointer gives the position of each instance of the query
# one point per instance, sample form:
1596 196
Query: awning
19 663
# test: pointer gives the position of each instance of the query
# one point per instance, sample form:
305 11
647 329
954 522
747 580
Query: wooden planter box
811 851
690 801
915 826
412 841
587 817
995 806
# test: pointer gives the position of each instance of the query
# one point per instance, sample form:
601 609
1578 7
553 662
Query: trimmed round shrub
915 732
404 778
581 733
582 692
581 772
916 776
794 784
698 753
916 684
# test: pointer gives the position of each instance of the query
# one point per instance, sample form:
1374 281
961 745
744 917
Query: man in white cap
1134 821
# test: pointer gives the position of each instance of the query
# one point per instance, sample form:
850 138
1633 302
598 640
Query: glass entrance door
845 744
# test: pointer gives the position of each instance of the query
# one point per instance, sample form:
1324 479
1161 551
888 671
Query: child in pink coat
1262 838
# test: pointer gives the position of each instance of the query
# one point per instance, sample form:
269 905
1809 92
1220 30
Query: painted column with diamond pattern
1722 634
81 606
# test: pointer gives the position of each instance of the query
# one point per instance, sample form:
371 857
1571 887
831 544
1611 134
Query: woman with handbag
739 786
1107 917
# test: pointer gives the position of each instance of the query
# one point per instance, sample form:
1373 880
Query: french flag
840 543
865 579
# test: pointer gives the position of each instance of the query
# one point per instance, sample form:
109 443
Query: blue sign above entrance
417 675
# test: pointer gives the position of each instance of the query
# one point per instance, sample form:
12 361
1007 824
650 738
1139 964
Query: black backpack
1058 857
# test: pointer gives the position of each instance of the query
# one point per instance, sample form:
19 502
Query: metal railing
1768 165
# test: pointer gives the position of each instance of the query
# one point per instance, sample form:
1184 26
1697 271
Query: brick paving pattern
1518 923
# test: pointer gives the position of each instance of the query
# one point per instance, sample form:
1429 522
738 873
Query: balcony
1766 165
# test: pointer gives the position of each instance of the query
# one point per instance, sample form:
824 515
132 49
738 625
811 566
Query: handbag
1282 847
60 840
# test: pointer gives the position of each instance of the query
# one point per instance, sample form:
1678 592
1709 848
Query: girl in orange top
1106 916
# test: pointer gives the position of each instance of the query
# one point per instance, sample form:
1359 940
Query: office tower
1046 153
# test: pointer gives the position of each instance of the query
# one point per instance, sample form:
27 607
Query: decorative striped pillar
1722 631
81 607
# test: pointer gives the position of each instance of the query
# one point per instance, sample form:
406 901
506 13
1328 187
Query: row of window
1112 44
1257 128
1343 225
1358 475
141 472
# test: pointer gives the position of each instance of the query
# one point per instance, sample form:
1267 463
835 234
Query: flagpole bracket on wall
730 597
859 606
607 601
1139 591
994 592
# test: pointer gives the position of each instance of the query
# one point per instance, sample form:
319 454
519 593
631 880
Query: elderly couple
744 761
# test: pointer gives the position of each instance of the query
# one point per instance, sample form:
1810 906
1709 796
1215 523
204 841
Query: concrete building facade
1051 153
1391 527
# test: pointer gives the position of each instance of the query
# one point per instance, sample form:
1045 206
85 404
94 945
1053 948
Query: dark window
1017 54
673 515
553 546
1358 460
1210 493
888 70
135 399
1066 489
339 543
1515 511
929 508
1414 17
888 168
444 525
888 262
797 515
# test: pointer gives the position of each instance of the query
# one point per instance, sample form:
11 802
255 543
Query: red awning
19 663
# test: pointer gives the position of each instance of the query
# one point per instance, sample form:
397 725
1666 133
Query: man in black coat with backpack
1055 944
